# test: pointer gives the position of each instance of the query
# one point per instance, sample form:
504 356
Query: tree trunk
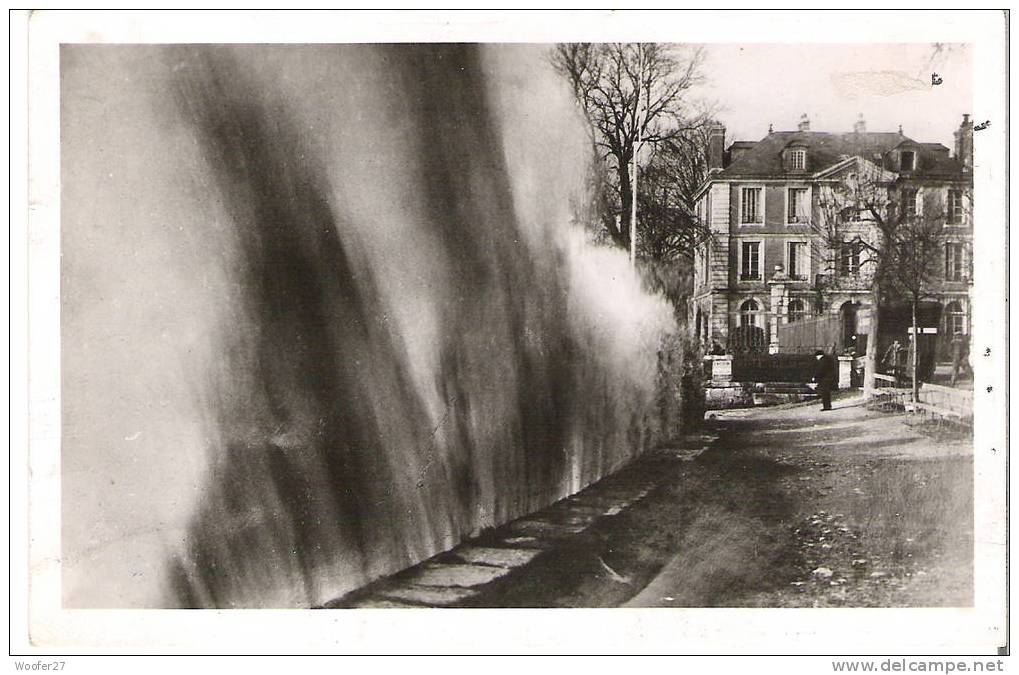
916 351
633 212
871 361
625 204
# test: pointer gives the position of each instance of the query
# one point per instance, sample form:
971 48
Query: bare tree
892 231
634 96
687 155
914 258
669 226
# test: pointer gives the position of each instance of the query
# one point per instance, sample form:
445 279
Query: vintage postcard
695 321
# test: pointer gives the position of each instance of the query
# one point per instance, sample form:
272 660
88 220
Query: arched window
955 319
748 313
796 310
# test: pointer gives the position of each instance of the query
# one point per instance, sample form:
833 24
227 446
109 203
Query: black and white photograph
424 316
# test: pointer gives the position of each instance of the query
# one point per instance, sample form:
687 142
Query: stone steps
752 394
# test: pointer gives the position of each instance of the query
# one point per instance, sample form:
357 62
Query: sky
890 84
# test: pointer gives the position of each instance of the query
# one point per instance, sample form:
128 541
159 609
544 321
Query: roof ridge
824 149
839 133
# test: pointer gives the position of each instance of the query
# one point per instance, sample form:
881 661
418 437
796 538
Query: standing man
825 376
895 359
959 355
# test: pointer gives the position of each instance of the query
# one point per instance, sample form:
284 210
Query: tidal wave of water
324 315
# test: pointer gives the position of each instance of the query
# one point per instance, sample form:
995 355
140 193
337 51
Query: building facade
769 261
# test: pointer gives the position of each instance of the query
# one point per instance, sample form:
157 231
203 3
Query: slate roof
764 158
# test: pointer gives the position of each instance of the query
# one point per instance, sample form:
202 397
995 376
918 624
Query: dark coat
896 357
825 372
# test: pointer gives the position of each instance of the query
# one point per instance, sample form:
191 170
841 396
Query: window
797 310
794 158
849 258
798 263
748 313
955 319
954 270
907 160
854 214
796 205
750 263
910 199
954 206
750 205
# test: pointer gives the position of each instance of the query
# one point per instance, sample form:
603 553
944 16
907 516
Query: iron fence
748 339
806 335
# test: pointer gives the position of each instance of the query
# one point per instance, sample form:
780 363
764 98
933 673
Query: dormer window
907 160
794 157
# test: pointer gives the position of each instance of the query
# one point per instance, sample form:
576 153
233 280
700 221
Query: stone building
768 264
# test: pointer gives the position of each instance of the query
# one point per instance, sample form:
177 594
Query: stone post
721 369
778 307
845 372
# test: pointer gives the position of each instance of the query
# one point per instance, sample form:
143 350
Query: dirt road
796 507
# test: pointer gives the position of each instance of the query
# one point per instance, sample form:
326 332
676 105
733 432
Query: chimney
716 147
964 142
804 123
860 127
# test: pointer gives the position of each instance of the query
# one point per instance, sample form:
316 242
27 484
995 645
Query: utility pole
636 149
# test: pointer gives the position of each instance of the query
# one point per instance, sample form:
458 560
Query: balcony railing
848 282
